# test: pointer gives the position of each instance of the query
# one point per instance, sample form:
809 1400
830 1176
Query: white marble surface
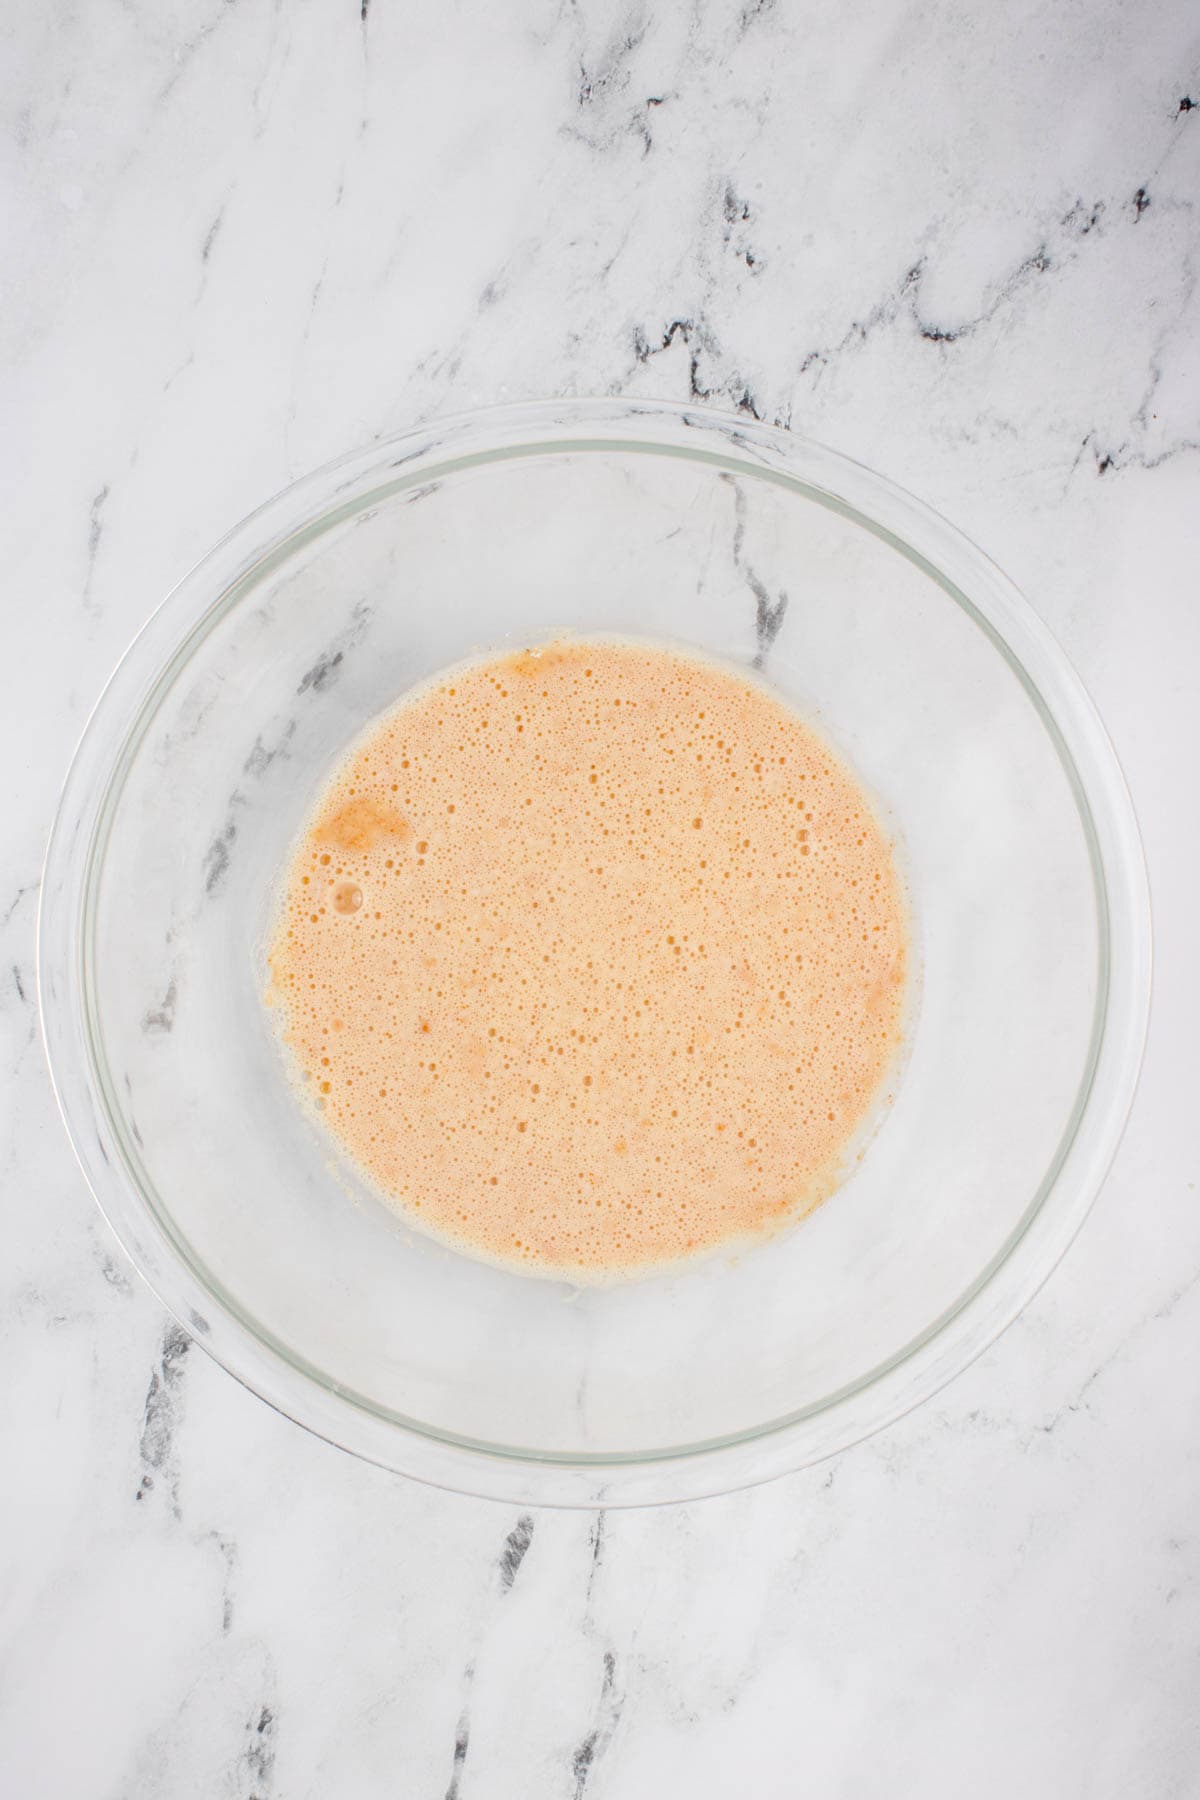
959 242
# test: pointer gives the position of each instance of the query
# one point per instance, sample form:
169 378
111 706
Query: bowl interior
325 630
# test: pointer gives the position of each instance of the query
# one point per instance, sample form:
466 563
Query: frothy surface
594 958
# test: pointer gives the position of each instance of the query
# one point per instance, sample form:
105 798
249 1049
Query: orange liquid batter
594 958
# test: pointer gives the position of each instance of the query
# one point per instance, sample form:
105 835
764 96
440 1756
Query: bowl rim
122 1187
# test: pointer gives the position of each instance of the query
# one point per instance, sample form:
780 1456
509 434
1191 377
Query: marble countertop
959 243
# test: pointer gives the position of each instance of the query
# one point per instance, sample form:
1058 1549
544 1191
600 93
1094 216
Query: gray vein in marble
1126 455
161 1416
512 1555
737 213
94 535
324 672
421 493
257 1760
601 83
318 287
750 14
599 124
769 613
216 857
161 1018
134 1128
1121 1353
905 302
1056 246
186 51
1106 456
608 1712
27 887
272 70
1178 123
228 1552
210 236
182 368
20 984
462 1737
700 342
515 1550
113 1274
206 249
596 1537
262 755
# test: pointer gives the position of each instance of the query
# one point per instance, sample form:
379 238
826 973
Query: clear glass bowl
921 663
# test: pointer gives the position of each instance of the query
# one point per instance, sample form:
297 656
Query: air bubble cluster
594 958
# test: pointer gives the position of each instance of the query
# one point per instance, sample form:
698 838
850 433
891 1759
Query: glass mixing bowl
882 624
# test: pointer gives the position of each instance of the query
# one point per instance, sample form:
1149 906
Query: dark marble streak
608 106
183 55
1058 244
133 1124
323 673
462 1738
425 492
210 236
596 1540
737 213
1080 1403
216 857
227 1549
701 342
514 1551
95 527
757 9
112 1273
28 887
262 756
161 1018
769 611
611 72
905 302
94 534
1115 457
258 1757
259 758
161 1415
608 1712
19 996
